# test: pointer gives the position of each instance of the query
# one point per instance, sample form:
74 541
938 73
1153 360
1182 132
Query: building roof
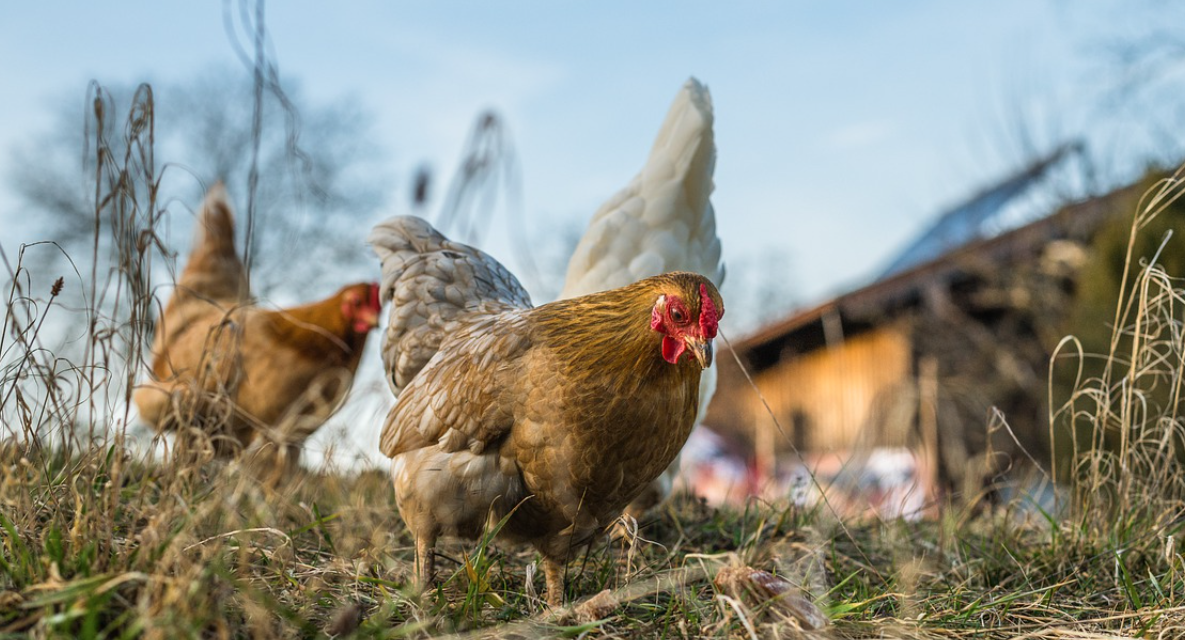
878 300
972 220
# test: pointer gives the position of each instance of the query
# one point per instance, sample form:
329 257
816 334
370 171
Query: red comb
707 313
374 296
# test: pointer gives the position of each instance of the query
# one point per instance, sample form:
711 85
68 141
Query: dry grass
99 541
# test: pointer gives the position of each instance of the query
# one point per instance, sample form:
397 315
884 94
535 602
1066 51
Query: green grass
102 546
99 542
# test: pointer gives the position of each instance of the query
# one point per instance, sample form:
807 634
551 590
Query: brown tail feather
214 269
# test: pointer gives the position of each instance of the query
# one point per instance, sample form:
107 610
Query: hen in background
553 417
662 221
244 376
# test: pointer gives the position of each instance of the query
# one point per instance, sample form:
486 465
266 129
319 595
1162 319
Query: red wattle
672 348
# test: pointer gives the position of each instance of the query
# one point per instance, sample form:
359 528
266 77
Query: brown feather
623 411
561 414
227 367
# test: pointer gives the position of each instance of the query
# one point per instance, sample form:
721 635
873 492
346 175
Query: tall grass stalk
98 541
1125 425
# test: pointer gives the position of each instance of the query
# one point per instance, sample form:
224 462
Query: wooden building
947 356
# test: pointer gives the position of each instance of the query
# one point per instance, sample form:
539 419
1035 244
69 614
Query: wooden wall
823 399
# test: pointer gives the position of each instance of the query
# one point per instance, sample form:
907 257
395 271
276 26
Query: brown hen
243 375
557 416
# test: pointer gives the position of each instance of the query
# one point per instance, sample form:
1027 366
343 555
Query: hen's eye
677 315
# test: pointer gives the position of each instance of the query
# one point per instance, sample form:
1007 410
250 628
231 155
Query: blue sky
842 127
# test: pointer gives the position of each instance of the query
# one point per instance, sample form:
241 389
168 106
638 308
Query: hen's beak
701 349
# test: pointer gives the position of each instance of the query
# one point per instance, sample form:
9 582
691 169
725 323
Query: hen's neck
318 329
610 332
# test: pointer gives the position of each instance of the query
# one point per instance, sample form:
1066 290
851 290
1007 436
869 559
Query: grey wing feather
432 284
464 398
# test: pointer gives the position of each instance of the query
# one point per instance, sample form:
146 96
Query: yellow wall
823 399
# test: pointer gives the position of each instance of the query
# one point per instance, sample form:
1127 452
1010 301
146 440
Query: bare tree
1144 60
320 182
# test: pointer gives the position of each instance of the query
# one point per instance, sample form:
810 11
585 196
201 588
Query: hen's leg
553 572
426 560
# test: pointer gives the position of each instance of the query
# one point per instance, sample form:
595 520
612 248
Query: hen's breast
587 448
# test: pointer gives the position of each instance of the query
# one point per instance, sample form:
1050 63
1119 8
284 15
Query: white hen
662 221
